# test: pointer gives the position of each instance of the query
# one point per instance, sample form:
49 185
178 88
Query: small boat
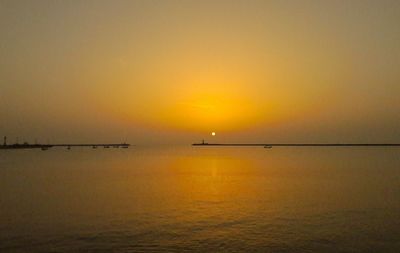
267 146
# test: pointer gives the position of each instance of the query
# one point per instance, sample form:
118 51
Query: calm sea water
200 199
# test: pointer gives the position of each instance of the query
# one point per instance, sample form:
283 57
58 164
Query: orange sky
174 71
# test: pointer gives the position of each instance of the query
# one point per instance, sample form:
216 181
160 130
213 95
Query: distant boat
267 146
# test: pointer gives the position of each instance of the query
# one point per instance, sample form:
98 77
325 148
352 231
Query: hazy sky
174 71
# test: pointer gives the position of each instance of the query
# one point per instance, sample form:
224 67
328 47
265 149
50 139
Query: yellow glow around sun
198 109
219 110
194 103
213 133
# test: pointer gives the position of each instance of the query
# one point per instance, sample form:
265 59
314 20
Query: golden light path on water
200 199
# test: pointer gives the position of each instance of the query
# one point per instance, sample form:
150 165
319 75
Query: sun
213 133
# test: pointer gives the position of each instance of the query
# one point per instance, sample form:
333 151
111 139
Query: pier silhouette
270 145
27 145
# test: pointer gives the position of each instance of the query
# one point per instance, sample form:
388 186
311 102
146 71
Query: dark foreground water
200 199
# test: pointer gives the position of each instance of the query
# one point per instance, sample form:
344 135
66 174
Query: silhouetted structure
270 145
26 145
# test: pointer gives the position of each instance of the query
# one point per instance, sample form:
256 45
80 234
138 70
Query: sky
152 72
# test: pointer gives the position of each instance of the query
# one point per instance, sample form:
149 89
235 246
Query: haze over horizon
175 71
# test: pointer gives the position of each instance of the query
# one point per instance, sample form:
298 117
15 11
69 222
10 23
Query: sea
200 199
